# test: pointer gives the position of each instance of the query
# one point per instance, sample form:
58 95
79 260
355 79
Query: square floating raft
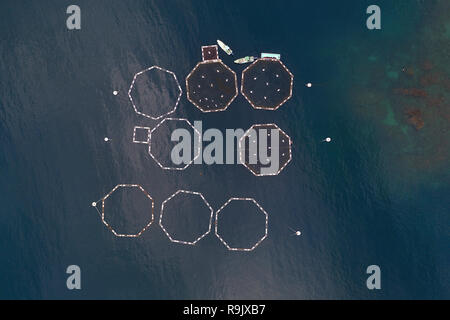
210 53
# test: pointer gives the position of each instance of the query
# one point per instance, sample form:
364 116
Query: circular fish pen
211 86
130 187
156 148
260 136
154 92
267 84
177 221
256 210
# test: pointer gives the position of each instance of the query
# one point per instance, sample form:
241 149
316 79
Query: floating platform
267 84
271 55
211 86
210 53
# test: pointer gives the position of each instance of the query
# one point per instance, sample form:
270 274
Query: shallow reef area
403 95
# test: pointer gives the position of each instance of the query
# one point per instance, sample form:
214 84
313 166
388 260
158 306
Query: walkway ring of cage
180 93
216 81
103 200
242 149
251 79
261 209
172 239
197 135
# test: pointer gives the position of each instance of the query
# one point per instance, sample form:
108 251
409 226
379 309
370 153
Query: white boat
246 59
224 47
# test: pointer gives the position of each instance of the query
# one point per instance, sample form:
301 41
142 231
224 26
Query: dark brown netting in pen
267 84
211 85
250 155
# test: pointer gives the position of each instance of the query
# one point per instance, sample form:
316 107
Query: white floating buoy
328 139
309 84
94 204
106 139
115 92
296 232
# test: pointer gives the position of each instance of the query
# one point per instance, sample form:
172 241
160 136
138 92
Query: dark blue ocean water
377 195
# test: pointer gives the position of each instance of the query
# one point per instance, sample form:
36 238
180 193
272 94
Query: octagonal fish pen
267 84
258 137
211 86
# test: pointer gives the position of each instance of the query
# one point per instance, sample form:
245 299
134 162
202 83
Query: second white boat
224 47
